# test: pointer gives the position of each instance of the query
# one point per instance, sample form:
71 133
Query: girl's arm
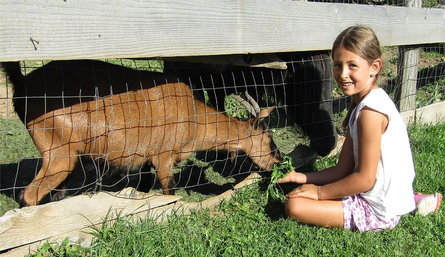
370 127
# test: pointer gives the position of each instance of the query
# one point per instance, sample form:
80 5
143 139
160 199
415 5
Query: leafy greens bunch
274 193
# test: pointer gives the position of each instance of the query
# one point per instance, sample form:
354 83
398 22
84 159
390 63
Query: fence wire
118 120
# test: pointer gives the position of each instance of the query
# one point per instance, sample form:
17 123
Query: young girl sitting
371 186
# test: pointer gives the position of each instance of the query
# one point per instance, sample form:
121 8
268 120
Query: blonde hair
363 42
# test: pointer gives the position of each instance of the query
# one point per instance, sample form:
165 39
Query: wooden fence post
407 70
407 75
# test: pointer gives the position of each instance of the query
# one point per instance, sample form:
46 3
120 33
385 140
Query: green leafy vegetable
274 192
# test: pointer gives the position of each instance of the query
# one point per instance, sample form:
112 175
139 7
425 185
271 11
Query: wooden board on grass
26 229
31 224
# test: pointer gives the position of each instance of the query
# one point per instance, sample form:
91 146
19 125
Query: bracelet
318 192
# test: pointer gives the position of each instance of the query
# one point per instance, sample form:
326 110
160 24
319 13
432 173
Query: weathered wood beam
55 29
31 224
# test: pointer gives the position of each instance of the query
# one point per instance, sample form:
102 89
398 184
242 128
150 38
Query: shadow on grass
89 176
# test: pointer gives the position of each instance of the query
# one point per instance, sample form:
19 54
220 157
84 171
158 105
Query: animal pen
155 97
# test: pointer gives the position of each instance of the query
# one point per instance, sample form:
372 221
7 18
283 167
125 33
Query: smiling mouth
346 84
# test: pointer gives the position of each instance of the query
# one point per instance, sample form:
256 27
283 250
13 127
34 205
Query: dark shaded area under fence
91 176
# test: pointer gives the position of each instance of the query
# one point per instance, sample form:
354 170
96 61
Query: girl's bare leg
325 213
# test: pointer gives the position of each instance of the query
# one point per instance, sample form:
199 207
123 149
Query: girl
370 188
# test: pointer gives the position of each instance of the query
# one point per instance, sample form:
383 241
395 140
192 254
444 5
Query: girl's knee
314 212
294 208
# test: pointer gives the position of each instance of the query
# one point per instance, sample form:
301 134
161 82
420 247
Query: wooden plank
54 29
31 224
159 213
271 61
83 236
251 179
432 114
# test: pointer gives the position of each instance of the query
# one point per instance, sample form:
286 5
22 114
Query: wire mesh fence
166 126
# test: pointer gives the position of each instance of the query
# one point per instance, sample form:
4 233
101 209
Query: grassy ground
248 226
16 143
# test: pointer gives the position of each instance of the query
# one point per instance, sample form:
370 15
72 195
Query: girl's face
354 75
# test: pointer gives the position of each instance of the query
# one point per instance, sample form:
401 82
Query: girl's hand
293 177
307 191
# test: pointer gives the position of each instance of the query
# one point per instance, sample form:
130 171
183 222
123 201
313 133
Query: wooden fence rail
97 29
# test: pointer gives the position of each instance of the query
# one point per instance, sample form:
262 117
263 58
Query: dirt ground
6 107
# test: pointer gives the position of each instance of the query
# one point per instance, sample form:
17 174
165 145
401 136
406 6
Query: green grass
15 142
248 226
15 145
432 3
431 93
149 65
7 204
428 146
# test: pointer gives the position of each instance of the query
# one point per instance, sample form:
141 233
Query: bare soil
6 92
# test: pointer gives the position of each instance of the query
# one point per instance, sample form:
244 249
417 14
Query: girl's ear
376 66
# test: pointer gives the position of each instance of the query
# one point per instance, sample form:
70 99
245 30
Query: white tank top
392 194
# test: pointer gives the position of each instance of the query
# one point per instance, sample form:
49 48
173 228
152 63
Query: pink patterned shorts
358 215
